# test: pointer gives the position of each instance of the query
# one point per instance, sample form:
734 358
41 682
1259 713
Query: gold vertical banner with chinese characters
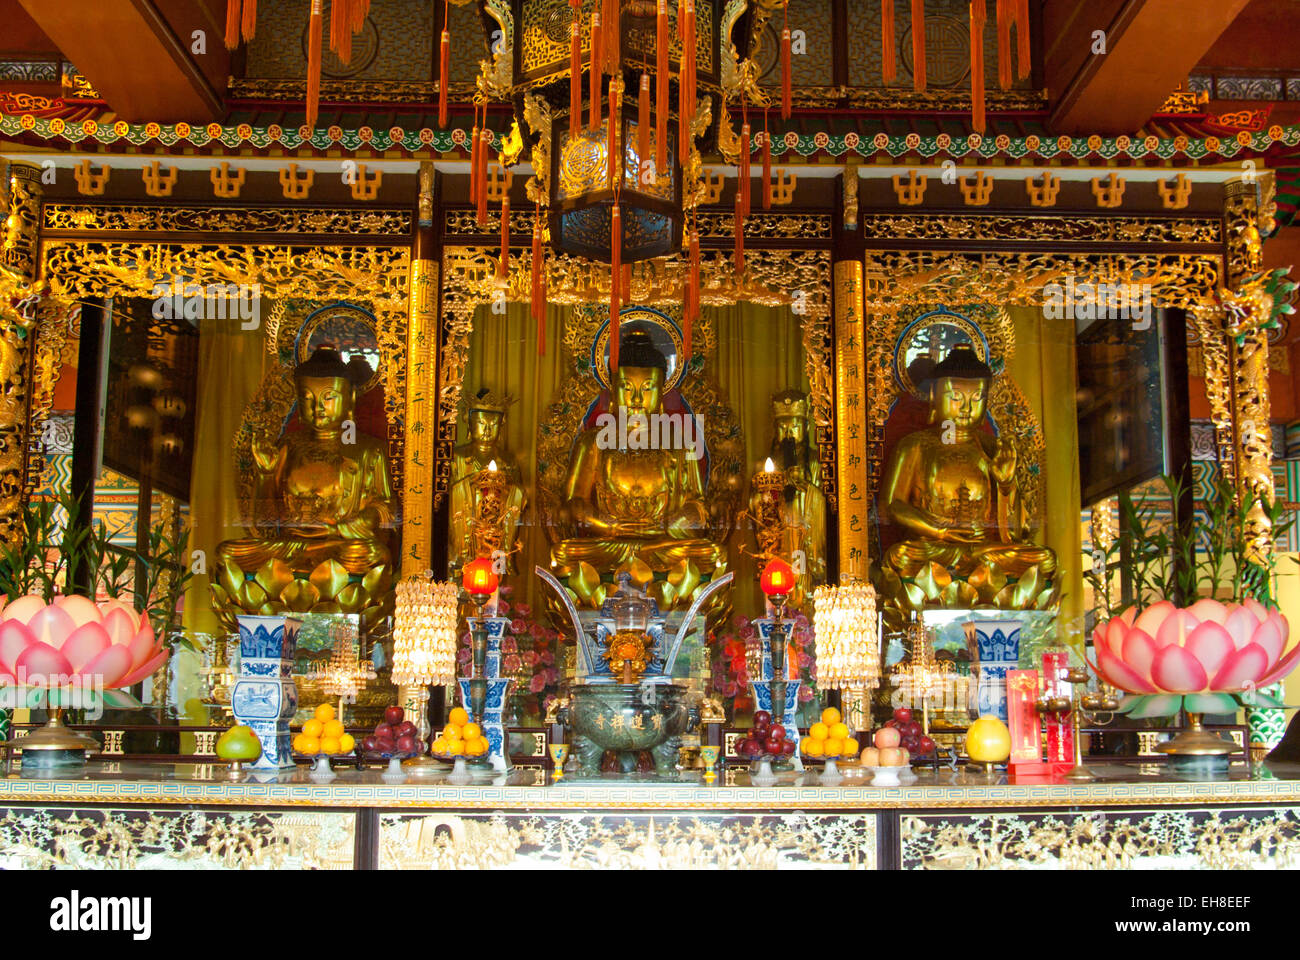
850 416
421 419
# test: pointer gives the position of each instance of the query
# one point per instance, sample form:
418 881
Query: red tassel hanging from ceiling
444 66
686 78
341 29
1022 38
767 165
575 69
539 270
888 50
643 126
918 45
232 24
249 26
740 236
625 293
615 273
1004 43
978 16
661 85
596 73
610 41
746 179
360 10
314 27
786 79
503 268
612 146
485 144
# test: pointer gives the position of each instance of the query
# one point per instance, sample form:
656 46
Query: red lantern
478 578
778 578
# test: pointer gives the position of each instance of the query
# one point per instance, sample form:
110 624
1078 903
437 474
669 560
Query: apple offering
766 740
910 736
393 737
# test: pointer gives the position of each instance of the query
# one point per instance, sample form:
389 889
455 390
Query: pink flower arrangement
1201 658
74 639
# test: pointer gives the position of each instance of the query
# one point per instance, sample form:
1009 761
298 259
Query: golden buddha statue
485 515
797 518
632 503
322 497
951 491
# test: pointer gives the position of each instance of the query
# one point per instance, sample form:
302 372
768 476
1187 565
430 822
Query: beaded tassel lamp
846 635
424 639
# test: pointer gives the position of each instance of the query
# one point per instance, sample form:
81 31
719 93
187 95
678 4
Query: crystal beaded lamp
846 635
424 632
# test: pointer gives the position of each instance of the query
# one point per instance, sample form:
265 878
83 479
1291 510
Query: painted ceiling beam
140 54
1150 48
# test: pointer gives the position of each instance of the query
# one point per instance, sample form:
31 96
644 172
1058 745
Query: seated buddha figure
321 494
630 502
951 489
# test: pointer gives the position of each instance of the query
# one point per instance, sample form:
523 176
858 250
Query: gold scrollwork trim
377 276
1119 229
284 220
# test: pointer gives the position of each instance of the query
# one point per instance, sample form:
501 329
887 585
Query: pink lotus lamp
1210 657
73 644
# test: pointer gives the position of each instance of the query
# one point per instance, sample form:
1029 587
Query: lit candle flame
769 466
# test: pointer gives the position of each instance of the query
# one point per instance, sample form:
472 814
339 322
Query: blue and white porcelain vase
763 693
265 696
498 689
998 646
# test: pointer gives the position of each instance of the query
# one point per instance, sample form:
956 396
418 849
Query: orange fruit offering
324 712
476 747
456 748
459 717
832 747
471 731
451 732
831 716
329 745
811 747
850 747
819 731
839 730
310 746
346 743
313 728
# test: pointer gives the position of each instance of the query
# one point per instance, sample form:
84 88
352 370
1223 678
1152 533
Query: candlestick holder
1080 703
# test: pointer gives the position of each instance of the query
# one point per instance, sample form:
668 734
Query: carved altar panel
628 840
1172 839
139 838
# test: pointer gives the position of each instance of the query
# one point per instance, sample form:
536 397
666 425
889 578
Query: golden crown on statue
790 403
